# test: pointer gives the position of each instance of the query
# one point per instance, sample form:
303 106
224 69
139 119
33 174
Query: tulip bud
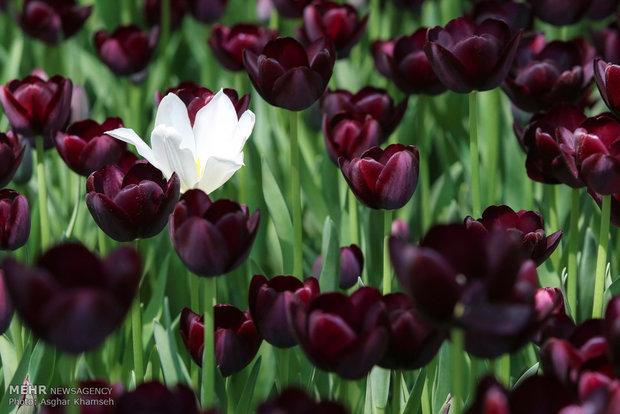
154 397
296 401
207 11
351 266
289 76
212 238
73 299
270 301
607 44
236 339
228 43
152 12
11 155
559 325
6 307
383 179
347 137
290 9
52 20
14 220
131 205
607 77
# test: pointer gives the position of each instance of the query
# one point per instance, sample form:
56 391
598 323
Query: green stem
135 107
573 246
101 242
387 270
353 221
375 20
458 343
284 363
208 356
296 196
425 190
45 230
396 391
16 334
473 148
136 336
503 369
601 258
494 101
77 182
194 301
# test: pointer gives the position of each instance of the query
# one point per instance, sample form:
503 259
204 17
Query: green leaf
528 373
380 378
330 273
154 308
586 275
171 364
442 385
8 358
18 379
42 362
248 391
414 401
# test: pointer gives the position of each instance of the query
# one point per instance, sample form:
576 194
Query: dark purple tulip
559 72
549 142
270 301
289 76
367 101
207 11
483 283
383 179
85 148
516 15
52 20
236 338
351 266
14 220
212 237
72 298
607 77
559 325
290 8
404 62
413 341
413 5
612 332
127 51
195 97
11 155
133 204
348 137
467 56
296 401
339 22
152 12
228 43
153 397
528 225
6 307
607 44
601 9
345 335
597 153
559 12
35 106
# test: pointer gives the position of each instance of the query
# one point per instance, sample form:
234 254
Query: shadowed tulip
607 44
73 299
346 136
601 9
11 155
404 62
236 338
228 43
212 237
133 204
207 11
35 106
612 332
345 335
607 77
296 401
383 179
127 51
152 12
400 229
153 397
6 307
516 15
85 148
559 325
529 226
14 220
351 266
559 12
270 301
290 8
467 56
51 21
79 104
289 76
413 5
339 22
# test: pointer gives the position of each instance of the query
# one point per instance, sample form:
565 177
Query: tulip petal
129 136
217 171
172 112
166 142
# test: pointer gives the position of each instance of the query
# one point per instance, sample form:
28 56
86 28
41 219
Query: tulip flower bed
297 206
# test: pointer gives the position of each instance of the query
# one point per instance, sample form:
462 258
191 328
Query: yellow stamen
199 167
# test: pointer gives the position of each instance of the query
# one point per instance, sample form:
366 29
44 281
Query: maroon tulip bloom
290 8
195 97
404 62
367 101
516 15
52 20
270 301
289 76
383 179
207 11
601 9
351 266
467 56
85 147
212 237
35 106
152 12
339 22
72 298
345 335
607 77
236 339
598 158
549 142
11 155
607 44
296 401
413 341
346 136
14 220
153 397
612 332
228 43
559 325
483 283
559 12
133 204
6 307
529 226
127 51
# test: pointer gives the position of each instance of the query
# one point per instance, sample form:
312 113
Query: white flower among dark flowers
204 155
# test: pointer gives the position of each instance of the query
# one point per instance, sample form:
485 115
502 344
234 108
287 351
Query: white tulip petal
242 132
166 143
214 127
217 172
172 112
129 136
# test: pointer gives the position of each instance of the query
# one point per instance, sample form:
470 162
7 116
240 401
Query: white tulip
204 156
